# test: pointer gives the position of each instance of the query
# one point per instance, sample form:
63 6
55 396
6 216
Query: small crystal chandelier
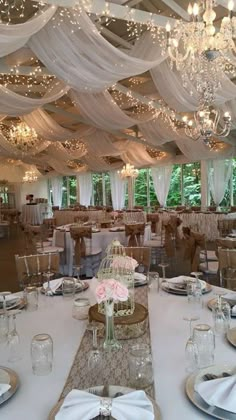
206 124
199 52
30 176
128 171
22 137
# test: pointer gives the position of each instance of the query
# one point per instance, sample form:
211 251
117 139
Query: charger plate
195 398
58 292
211 303
10 377
231 336
170 288
16 304
113 390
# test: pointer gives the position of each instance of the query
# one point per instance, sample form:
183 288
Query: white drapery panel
219 175
170 86
57 184
48 128
118 188
102 110
85 183
84 59
197 150
13 104
158 131
13 37
161 176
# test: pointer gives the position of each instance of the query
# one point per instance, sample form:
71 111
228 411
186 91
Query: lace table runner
116 371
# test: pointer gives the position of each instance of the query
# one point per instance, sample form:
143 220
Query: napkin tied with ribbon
83 405
219 392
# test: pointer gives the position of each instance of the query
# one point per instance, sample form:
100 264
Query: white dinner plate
139 279
113 390
195 398
211 303
177 290
79 287
8 376
231 336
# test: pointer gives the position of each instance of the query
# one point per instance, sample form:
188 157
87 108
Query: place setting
185 285
64 286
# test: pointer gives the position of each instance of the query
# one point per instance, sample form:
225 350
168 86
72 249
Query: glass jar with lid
80 308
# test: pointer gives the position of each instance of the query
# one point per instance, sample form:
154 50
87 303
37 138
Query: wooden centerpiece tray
126 327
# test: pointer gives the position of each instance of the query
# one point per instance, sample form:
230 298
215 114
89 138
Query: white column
205 196
148 189
77 190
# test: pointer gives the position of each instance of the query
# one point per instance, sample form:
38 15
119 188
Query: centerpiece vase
110 342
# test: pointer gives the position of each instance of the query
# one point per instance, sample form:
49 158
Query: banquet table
34 214
37 395
206 223
100 239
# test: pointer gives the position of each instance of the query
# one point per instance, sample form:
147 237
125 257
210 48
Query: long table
169 333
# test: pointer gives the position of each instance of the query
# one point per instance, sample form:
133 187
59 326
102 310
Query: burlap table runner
116 371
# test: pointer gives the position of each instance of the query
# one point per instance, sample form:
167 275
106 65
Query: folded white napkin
185 279
4 388
219 392
83 405
54 284
139 277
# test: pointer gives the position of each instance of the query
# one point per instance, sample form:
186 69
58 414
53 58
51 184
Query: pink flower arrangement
111 289
127 263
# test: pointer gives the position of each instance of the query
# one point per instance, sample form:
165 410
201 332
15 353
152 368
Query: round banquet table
206 223
34 214
38 394
99 240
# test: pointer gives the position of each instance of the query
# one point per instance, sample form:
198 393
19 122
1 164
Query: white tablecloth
169 333
205 222
99 240
35 213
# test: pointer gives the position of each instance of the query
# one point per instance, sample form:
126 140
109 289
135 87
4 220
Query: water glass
153 280
221 316
42 354
204 339
140 366
4 327
31 298
68 287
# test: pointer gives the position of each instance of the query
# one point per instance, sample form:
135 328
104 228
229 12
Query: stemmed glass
78 267
190 347
221 315
14 350
4 320
95 355
48 274
163 264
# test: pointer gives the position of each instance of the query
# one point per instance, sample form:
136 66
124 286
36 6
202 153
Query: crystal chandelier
128 171
73 146
30 176
201 53
206 123
22 137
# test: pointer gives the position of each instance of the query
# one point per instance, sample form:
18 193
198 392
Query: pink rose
101 292
127 263
120 292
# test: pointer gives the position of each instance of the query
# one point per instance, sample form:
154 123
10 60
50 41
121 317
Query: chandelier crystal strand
21 136
201 54
30 176
128 171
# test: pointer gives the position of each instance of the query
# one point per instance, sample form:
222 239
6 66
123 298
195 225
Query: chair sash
172 237
141 254
134 233
193 243
154 219
79 234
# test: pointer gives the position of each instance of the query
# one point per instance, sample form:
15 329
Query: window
192 184
72 189
108 189
140 192
64 192
174 195
97 189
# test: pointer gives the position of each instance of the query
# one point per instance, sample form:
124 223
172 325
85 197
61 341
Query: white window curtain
161 176
57 184
118 188
85 183
219 175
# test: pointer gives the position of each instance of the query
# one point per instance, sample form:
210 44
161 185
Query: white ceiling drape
13 104
13 37
84 59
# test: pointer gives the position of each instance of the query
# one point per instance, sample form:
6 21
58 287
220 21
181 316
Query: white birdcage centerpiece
115 248
119 268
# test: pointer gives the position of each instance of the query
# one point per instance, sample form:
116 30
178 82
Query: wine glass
14 344
4 302
163 264
190 347
48 274
95 355
221 315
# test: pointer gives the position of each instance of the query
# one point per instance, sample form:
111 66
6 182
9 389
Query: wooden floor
13 245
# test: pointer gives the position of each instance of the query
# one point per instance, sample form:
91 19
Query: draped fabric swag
57 184
161 176
84 182
219 175
118 189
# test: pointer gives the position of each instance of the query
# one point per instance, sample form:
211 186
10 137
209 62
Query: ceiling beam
177 9
117 11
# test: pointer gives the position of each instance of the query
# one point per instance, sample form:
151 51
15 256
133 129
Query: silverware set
104 393
210 376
